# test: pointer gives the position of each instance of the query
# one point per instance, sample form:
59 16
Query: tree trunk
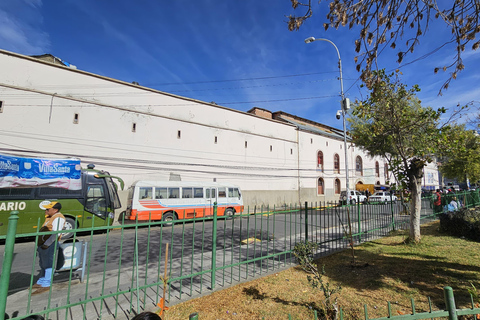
415 175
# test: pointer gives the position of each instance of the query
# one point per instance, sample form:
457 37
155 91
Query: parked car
355 197
382 196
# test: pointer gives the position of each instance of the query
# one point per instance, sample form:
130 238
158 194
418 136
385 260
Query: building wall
138 133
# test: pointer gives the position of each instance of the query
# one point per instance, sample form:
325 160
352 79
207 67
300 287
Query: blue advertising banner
17 172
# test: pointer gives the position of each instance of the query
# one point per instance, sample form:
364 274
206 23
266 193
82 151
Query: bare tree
385 22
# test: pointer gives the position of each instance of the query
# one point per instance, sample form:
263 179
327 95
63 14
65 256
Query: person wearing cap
48 243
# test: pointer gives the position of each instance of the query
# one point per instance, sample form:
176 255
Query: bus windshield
112 192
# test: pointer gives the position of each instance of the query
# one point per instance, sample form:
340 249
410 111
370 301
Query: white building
48 109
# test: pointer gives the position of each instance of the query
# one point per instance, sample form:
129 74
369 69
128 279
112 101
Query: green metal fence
125 264
451 312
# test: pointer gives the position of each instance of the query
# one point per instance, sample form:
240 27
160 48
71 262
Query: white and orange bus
172 200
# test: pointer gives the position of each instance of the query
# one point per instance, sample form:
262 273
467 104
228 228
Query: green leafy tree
399 25
460 154
391 123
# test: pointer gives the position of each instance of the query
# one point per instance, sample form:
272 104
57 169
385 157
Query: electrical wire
133 148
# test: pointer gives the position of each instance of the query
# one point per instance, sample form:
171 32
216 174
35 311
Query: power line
202 82
181 104
135 163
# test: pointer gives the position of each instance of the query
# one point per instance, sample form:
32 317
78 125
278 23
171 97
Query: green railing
125 265
451 311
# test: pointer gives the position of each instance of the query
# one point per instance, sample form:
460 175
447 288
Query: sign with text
18 172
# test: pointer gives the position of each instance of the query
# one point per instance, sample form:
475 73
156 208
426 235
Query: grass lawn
386 270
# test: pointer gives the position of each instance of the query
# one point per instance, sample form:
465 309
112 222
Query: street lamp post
345 106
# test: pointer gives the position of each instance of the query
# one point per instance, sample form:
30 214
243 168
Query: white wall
277 167
40 101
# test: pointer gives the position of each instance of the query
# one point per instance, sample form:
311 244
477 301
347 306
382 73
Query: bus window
145 193
173 193
198 192
57 193
96 200
210 193
233 193
161 193
16 193
187 192
95 192
222 192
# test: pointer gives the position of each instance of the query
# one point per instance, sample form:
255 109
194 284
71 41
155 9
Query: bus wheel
229 213
70 226
170 217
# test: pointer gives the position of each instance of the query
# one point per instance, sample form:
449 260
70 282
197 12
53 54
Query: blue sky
238 54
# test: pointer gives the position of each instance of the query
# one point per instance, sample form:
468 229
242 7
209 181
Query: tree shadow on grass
379 267
253 292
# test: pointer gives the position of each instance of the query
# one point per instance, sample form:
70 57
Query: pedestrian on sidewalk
48 244
438 202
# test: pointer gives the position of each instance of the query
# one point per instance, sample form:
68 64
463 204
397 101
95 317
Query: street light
343 112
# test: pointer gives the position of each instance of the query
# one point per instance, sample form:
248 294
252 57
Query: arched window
320 160
377 169
320 186
336 163
386 171
359 166
337 186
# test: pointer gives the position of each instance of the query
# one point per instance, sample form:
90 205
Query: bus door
210 199
96 201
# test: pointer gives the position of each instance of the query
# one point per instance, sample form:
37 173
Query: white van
354 197
173 200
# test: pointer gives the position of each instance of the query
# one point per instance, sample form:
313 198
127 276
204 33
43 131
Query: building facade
137 133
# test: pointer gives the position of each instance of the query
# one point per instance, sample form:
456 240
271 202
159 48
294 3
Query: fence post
450 303
306 221
359 223
7 262
214 245
393 214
